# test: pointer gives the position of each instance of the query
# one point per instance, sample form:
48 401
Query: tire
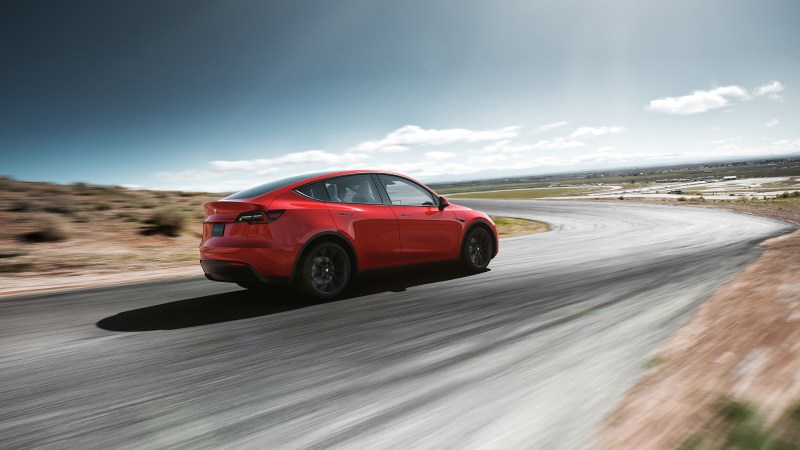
326 270
476 251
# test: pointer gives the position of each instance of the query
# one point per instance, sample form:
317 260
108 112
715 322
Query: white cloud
410 135
780 147
771 123
616 157
501 157
187 175
423 169
558 143
488 158
533 163
265 166
698 101
595 158
702 101
770 90
588 132
734 147
727 148
499 151
576 138
440 156
507 147
504 154
730 140
551 126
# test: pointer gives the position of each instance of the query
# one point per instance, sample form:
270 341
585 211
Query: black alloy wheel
477 250
326 270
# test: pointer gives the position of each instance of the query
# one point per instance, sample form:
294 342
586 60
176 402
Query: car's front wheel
477 249
325 270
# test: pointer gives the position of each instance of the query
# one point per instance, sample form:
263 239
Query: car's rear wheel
325 270
477 249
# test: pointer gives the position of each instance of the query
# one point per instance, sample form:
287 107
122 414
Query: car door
426 233
356 207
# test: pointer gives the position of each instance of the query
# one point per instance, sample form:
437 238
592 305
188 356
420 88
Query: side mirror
442 203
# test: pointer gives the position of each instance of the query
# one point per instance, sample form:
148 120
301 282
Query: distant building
729 177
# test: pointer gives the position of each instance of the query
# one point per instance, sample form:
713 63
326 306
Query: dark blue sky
194 94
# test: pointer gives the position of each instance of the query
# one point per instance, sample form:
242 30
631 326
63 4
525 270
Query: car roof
326 175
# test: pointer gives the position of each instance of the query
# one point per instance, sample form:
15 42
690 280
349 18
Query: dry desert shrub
49 230
57 207
168 222
20 206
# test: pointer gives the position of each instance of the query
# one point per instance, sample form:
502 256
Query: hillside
77 229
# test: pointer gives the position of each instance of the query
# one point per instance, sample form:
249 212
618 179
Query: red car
318 230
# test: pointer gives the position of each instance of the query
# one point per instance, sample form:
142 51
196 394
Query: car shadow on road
244 304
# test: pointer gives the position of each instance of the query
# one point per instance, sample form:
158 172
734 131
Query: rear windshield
271 186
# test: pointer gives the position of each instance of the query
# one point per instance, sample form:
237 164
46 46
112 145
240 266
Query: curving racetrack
533 353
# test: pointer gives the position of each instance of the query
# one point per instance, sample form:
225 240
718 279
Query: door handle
405 215
345 214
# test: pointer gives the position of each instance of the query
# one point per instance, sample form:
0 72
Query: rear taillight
251 217
259 216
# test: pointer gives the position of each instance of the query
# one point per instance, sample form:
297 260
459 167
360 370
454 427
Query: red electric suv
319 229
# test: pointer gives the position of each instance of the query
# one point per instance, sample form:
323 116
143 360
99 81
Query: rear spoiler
229 210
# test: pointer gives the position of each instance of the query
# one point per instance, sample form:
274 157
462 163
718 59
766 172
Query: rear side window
315 191
405 192
352 189
268 187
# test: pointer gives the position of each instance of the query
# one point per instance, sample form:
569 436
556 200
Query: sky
224 95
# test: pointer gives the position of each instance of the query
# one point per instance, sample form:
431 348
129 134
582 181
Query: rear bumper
235 272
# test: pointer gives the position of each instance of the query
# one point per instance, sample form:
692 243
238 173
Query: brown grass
512 226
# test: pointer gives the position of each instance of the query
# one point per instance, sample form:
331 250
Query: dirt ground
787 210
743 345
67 236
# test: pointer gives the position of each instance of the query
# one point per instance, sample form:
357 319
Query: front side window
352 189
405 192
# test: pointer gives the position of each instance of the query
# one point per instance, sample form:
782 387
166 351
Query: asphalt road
531 354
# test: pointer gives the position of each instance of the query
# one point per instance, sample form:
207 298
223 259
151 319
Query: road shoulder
12 287
743 345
